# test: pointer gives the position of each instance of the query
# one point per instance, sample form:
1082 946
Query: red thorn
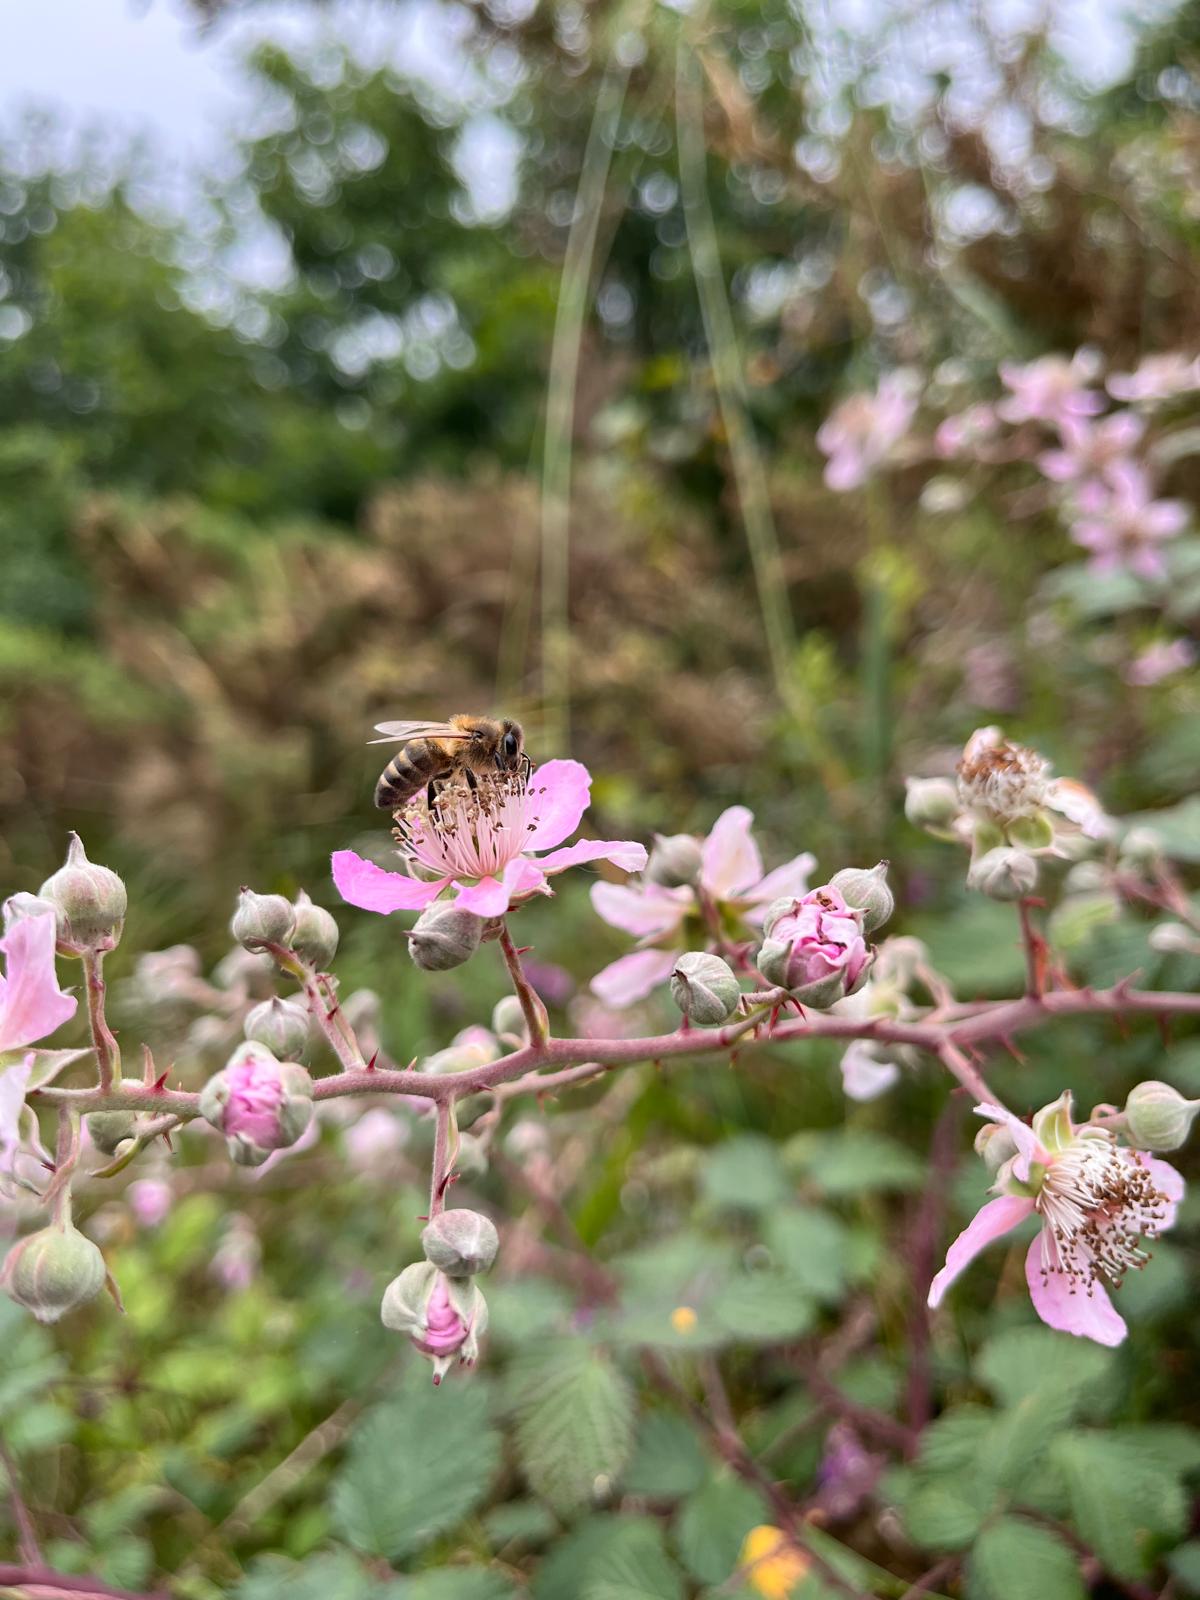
373 1060
525 949
774 1017
160 1083
1016 1054
167 1140
422 1219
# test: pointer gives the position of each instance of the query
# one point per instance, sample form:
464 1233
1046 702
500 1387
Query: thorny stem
444 1151
108 1052
1033 949
533 1009
66 1157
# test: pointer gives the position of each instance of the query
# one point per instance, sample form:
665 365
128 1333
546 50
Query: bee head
509 749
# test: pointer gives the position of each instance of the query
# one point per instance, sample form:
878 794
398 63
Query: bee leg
431 795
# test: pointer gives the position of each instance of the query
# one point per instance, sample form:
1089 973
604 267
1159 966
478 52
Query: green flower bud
674 861
508 1020
262 919
315 936
785 906
931 803
1158 1117
89 902
1003 874
866 890
1141 849
1034 832
281 1025
444 937
995 1144
1174 938
705 989
52 1272
109 1129
460 1243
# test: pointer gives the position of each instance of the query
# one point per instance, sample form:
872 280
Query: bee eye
510 744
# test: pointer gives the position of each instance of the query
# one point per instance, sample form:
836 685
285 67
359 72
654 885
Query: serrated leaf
852 1163
524 1522
955 1440
745 1174
574 1422
453 1583
712 1525
1122 1497
633 1565
668 1461
415 1467
564 1570
335 1576
767 1307
812 1245
1026 1361
944 1512
1015 1560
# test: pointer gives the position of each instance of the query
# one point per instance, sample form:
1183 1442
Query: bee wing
402 732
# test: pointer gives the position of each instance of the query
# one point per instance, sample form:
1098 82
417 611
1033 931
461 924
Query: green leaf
813 1246
633 1565
668 1461
454 1583
416 1466
956 1439
1015 1560
524 1522
1026 1361
767 1307
574 1422
1185 1566
566 1566
30 1360
712 1526
945 1512
852 1163
325 1577
745 1174
1123 1497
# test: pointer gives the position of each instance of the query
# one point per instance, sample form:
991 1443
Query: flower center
1097 1204
1005 781
472 830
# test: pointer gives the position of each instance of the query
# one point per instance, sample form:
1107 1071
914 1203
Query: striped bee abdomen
409 770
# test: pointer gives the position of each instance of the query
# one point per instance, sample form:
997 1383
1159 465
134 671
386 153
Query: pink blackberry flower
481 842
1090 449
1124 526
1050 389
31 1002
860 433
1160 377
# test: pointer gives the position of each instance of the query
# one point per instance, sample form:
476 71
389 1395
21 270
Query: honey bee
433 752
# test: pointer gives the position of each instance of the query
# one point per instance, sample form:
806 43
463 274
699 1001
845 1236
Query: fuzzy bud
1158 1117
108 1129
1173 938
89 902
258 1103
444 937
508 1020
995 1145
280 1025
674 861
315 936
1141 849
53 1271
931 803
866 890
460 1243
1003 874
816 949
262 919
705 989
444 1317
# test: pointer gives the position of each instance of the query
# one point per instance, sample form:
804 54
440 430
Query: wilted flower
479 842
1159 377
731 883
815 948
53 1271
1160 660
258 1103
444 1317
1001 781
1096 1203
1050 389
859 434
1124 526
1091 448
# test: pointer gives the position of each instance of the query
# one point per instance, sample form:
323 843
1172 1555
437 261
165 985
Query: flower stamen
1098 1204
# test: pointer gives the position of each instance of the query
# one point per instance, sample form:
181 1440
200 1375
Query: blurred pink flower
1050 389
1090 448
31 1002
150 1200
960 434
1159 661
236 1260
731 875
1159 377
1095 1201
859 434
1123 525
485 836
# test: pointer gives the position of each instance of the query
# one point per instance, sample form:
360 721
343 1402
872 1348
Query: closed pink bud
815 948
259 1104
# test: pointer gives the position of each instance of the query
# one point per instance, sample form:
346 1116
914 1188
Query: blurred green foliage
239 524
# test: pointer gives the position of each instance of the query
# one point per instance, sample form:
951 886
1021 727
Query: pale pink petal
1163 519
789 879
1058 465
31 1003
13 1083
730 861
523 876
559 792
626 853
1167 1181
643 912
361 883
1063 1304
997 1217
864 1076
634 976
487 898
1023 1136
1122 430
846 470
